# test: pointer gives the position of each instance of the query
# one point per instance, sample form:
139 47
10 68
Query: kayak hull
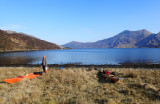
112 78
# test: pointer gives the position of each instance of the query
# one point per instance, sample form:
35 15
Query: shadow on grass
152 95
2 82
102 79
102 101
40 73
149 93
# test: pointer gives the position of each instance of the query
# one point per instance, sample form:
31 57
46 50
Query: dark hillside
125 39
152 41
12 41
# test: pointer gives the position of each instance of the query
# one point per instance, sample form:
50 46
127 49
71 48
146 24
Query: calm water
84 56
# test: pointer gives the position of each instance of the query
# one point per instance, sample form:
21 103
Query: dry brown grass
80 86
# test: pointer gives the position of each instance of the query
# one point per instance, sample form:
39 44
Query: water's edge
89 66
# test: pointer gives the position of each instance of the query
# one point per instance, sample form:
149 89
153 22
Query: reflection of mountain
137 61
15 60
125 39
12 41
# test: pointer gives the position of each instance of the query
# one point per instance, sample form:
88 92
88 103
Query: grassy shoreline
81 85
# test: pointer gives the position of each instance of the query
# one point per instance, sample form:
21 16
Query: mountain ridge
125 39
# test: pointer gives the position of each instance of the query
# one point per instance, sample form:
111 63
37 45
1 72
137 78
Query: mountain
13 41
125 39
152 41
75 44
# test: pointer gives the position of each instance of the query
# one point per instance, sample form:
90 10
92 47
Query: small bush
131 74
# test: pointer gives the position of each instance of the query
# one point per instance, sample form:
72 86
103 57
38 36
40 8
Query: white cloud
12 27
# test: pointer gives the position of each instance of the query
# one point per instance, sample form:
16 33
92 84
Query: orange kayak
19 78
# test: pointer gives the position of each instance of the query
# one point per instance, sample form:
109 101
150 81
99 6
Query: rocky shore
125 65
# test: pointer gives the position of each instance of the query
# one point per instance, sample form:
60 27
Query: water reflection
84 56
138 61
16 60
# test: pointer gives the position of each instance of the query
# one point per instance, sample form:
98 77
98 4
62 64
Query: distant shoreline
10 51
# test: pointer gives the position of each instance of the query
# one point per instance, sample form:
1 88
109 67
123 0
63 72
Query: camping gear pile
110 75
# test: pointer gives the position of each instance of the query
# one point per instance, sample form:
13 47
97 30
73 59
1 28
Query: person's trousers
44 68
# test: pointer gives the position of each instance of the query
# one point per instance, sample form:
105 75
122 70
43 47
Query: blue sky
62 21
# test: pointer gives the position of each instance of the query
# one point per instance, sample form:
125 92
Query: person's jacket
44 62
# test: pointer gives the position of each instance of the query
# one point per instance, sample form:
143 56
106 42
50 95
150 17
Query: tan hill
13 41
